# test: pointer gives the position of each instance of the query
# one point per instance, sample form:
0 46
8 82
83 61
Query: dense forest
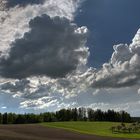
80 114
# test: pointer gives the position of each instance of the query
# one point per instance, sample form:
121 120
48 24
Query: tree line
75 114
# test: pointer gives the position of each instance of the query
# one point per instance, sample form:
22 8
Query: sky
69 53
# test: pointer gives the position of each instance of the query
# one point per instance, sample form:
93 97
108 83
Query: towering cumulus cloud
53 47
13 25
124 67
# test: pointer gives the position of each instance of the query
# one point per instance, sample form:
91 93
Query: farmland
94 128
39 132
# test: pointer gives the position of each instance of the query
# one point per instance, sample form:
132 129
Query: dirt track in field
38 132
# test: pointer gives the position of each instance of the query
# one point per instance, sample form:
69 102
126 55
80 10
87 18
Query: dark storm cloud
22 3
50 48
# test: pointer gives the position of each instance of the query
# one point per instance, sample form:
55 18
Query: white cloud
46 103
123 70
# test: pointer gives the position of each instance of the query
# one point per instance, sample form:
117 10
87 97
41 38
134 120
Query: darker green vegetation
80 114
110 116
131 128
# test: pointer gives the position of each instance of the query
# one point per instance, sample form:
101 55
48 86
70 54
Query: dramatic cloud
43 57
11 29
60 13
54 47
83 83
123 70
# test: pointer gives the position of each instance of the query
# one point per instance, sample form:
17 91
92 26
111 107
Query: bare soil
38 132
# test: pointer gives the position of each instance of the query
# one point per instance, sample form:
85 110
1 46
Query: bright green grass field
95 128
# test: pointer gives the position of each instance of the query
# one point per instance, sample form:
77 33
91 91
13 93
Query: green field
95 128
